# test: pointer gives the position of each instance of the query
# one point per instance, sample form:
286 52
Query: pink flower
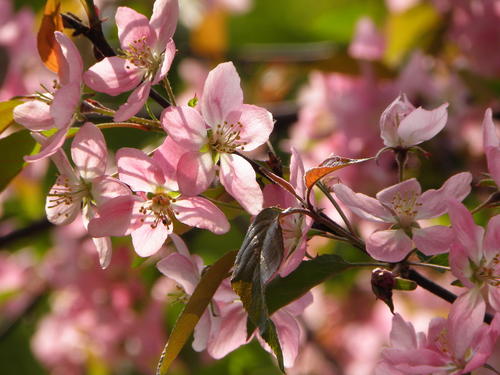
294 227
403 125
368 43
85 189
454 346
491 144
225 126
150 214
402 205
474 254
55 109
148 51
223 326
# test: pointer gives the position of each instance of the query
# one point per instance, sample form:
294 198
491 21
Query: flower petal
433 202
104 250
221 94
201 213
114 217
113 75
89 152
182 269
133 29
34 115
62 210
403 335
297 173
490 137
195 172
106 187
50 147
65 104
391 118
362 205
147 240
71 66
168 58
467 233
408 190
164 21
167 157
433 240
389 245
491 242
421 125
239 179
134 103
493 160
290 335
186 127
137 170
257 125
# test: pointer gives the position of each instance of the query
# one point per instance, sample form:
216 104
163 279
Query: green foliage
258 259
13 148
6 113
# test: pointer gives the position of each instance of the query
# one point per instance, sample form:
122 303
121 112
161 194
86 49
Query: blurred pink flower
56 109
402 205
225 126
148 216
456 345
148 51
491 145
367 43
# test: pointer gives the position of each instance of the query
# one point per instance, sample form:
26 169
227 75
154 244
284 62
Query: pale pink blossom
403 125
148 52
86 188
491 145
149 215
294 227
368 43
453 346
403 205
55 109
224 127
475 253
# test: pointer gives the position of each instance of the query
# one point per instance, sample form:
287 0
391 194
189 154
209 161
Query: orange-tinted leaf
46 42
330 165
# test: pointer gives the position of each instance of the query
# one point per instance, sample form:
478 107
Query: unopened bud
382 284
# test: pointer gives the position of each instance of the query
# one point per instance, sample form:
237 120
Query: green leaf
408 30
404 284
258 259
12 150
6 113
193 102
197 304
281 291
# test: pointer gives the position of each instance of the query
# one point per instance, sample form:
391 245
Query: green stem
139 120
430 265
323 188
170 92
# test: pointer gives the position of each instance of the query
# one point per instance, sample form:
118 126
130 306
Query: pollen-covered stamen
65 193
140 54
405 207
159 206
225 138
489 273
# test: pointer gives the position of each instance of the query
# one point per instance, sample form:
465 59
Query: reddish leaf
46 42
330 165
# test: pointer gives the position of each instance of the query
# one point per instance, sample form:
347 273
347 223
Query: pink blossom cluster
155 195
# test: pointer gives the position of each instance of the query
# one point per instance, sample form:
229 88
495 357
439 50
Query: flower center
160 209
405 206
225 138
489 273
141 55
66 193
